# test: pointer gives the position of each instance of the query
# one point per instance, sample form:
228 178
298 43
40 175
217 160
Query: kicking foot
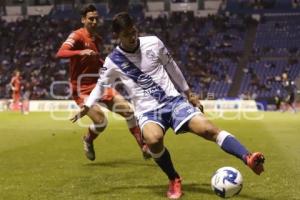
256 162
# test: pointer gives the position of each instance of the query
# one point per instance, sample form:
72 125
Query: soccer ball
227 182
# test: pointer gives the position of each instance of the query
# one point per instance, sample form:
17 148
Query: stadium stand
278 36
214 52
264 77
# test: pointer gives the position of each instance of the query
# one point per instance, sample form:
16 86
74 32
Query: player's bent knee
100 129
210 132
100 122
153 134
206 130
97 128
153 138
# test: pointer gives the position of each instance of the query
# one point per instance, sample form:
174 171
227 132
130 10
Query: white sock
157 155
92 128
221 137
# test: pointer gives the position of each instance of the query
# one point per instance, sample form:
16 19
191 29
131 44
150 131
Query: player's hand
84 110
88 52
201 107
195 101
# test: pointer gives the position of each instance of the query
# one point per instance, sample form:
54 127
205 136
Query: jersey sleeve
171 67
107 76
67 48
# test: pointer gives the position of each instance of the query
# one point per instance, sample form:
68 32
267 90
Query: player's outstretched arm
92 99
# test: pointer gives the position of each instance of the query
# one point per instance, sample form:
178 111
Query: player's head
17 72
284 76
90 17
124 28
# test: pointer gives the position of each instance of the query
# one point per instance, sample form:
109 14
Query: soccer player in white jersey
146 68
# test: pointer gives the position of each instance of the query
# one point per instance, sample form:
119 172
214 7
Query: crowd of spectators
208 51
197 44
265 79
261 5
29 45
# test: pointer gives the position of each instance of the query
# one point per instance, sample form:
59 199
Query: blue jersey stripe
140 78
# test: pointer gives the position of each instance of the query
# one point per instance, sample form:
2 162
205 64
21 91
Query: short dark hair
121 21
86 9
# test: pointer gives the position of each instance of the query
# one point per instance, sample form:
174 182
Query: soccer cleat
255 161
174 191
89 149
146 152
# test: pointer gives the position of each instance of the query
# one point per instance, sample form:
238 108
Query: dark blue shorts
174 114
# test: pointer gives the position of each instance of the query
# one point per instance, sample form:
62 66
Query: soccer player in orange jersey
15 85
82 47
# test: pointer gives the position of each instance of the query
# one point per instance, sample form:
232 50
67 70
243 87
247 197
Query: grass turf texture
42 158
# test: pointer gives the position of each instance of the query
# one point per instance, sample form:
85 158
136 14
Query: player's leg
96 114
122 107
25 103
286 104
16 101
19 101
12 105
283 106
25 106
291 103
292 106
277 102
154 135
201 126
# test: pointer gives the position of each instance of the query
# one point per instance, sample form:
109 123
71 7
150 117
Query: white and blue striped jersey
145 74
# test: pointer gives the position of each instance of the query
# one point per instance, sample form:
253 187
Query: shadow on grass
121 163
160 190
206 188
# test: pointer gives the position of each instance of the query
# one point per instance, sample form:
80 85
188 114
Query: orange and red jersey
83 70
82 65
16 83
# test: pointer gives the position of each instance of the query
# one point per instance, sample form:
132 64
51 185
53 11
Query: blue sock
231 145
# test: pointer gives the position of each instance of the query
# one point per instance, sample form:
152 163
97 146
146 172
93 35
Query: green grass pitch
42 159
